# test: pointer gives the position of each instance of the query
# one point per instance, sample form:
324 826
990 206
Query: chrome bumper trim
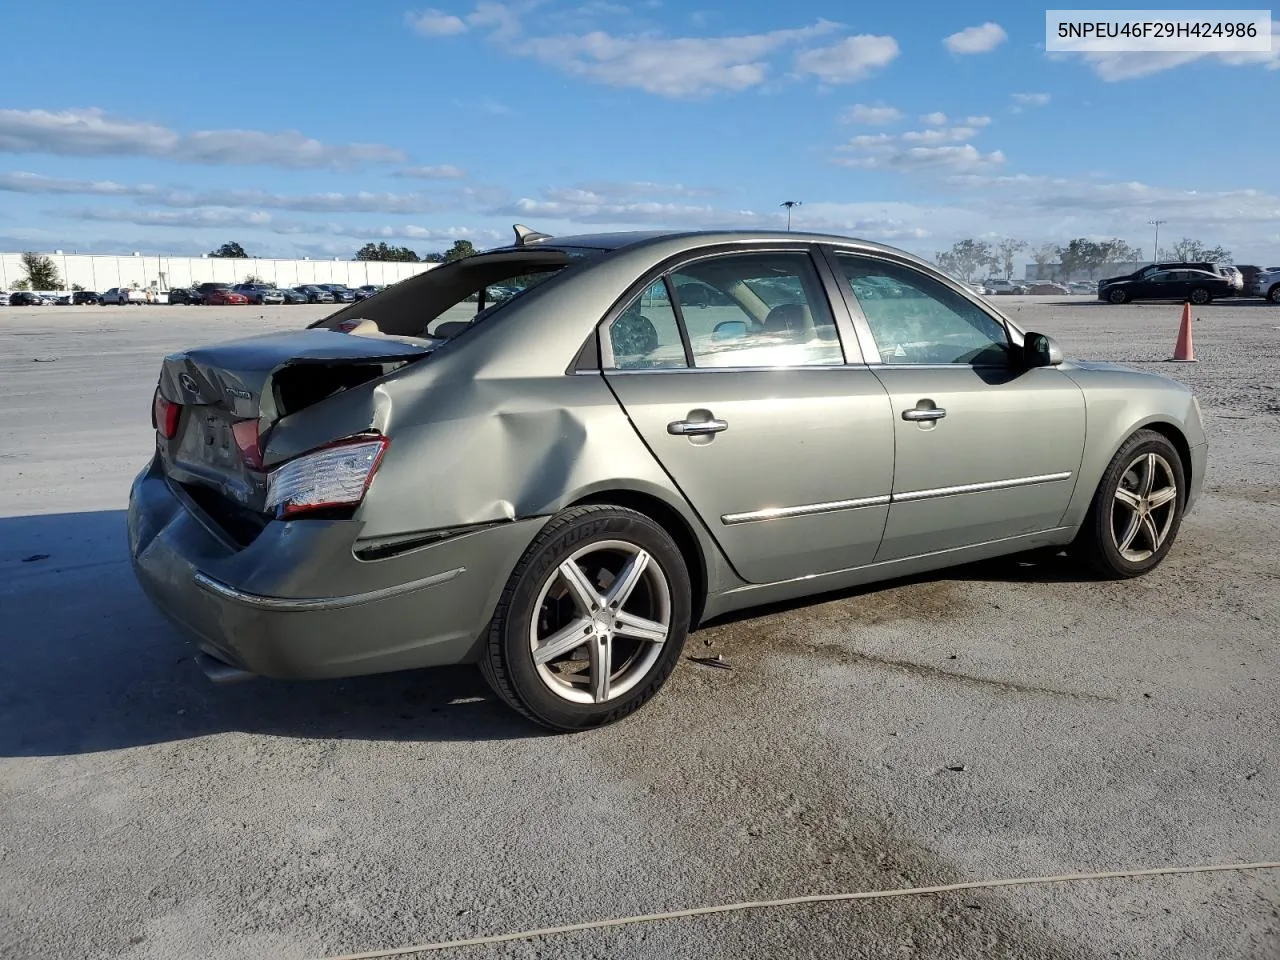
284 604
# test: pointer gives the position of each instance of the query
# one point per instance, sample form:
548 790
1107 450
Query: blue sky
311 129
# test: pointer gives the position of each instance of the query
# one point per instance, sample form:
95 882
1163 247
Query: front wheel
592 620
1117 296
1200 296
1136 510
1274 294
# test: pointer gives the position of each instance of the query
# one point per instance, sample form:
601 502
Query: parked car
293 296
221 295
1082 286
25 298
472 503
1046 288
341 294
1149 269
368 290
259 293
1195 286
314 293
1003 287
81 297
122 296
1233 274
1267 284
186 295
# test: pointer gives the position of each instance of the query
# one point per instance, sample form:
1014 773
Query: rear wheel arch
676 526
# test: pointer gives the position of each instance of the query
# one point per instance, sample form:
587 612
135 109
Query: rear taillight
164 416
246 435
336 475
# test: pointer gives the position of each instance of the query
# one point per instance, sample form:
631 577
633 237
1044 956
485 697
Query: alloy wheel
600 622
1199 297
1144 507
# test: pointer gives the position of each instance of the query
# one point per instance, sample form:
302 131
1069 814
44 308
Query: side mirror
1041 350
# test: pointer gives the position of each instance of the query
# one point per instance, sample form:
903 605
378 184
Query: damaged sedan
549 461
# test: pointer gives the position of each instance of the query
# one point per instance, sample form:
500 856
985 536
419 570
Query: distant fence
101 273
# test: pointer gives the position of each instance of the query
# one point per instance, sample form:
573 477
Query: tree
1007 249
42 274
433 258
380 251
230 251
460 250
253 278
1187 250
965 257
1044 255
1117 251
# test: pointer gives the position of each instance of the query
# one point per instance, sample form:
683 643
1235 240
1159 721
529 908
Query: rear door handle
694 428
924 413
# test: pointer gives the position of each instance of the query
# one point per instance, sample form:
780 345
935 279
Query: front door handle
696 428
924 413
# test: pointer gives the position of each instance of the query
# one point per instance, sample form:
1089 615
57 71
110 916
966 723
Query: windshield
444 301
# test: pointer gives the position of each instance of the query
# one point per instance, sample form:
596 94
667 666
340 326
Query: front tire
1118 296
592 621
1274 294
1200 296
1136 511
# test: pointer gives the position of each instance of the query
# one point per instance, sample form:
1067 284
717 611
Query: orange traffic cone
1183 350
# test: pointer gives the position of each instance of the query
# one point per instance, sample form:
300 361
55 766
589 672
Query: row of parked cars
1194 282
213 294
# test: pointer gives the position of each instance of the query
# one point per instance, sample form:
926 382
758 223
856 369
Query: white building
100 273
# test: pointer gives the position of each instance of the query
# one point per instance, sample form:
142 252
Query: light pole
1155 250
789 204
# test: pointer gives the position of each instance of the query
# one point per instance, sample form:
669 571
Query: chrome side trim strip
285 604
805 510
914 495
809 509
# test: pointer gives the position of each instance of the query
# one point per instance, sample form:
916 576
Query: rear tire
1136 511
1274 294
1200 296
592 620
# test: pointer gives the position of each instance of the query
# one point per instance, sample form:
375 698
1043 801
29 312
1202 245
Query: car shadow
89 665
1039 566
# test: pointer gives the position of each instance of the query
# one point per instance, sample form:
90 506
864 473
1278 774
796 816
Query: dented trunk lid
260 380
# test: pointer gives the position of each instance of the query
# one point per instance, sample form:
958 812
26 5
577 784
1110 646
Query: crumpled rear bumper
297 604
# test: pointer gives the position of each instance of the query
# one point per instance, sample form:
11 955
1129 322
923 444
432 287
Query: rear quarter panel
1118 402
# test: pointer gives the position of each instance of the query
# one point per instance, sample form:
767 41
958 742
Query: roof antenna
525 235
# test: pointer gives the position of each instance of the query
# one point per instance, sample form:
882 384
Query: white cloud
1022 100
434 23
1113 67
850 60
645 60
939 135
439 171
872 116
35 183
362 201
981 121
957 158
981 39
216 217
935 119
668 66
92 132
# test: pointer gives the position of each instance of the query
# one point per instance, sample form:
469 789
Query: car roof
694 238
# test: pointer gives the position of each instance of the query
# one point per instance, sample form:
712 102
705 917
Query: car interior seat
792 320
633 336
